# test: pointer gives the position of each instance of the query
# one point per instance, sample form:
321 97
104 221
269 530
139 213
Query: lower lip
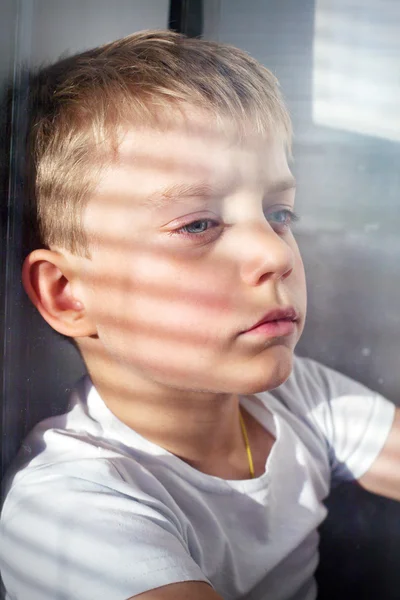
279 328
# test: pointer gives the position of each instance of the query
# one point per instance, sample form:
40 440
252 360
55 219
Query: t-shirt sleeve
354 421
74 538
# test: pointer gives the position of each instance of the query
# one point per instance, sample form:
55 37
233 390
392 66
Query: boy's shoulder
90 443
89 432
313 386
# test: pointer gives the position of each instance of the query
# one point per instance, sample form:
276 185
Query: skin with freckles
190 246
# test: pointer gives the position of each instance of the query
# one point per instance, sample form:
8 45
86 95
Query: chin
269 373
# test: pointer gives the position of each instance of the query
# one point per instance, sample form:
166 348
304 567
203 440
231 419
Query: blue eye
197 227
282 219
199 231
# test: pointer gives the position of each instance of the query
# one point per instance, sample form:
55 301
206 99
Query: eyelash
290 218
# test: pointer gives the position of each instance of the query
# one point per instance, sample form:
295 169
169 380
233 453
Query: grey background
60 27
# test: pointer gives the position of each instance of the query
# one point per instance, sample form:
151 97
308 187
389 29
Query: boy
164 208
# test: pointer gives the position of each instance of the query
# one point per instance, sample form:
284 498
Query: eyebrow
282 185
177 191
204 190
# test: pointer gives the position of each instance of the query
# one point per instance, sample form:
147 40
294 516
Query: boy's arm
192 590
383 477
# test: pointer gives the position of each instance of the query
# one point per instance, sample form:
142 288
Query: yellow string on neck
247 444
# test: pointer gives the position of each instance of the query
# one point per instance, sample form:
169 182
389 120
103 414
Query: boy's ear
46 279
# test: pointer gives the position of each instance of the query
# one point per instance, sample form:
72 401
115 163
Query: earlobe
47 278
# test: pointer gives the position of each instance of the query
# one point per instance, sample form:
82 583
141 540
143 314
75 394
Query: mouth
276 323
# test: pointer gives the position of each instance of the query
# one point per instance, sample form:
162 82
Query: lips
277 322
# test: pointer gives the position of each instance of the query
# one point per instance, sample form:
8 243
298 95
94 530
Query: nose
265 255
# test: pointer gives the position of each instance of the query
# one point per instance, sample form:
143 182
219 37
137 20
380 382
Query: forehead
199 149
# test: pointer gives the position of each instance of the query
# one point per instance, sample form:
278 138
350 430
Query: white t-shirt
97 512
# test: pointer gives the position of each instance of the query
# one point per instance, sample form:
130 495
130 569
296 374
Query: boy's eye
198 227
199 231
281 220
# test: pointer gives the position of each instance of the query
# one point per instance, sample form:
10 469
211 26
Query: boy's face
190 249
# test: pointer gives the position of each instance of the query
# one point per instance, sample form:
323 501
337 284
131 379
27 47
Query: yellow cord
247 444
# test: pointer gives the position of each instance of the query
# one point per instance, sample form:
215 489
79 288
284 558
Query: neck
201 428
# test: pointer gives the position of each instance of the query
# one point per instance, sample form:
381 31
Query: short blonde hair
77 102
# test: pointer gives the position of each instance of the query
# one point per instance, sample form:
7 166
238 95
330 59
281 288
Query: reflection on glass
356 85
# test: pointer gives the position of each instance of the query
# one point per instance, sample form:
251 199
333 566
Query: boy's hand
383 477
189 590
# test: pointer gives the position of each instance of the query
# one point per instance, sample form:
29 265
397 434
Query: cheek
170 321
152 296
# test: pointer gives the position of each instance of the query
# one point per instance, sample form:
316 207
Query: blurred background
338 62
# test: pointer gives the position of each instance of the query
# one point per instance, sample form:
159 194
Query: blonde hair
77 103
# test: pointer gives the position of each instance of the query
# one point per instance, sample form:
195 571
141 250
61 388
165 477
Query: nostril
272 260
